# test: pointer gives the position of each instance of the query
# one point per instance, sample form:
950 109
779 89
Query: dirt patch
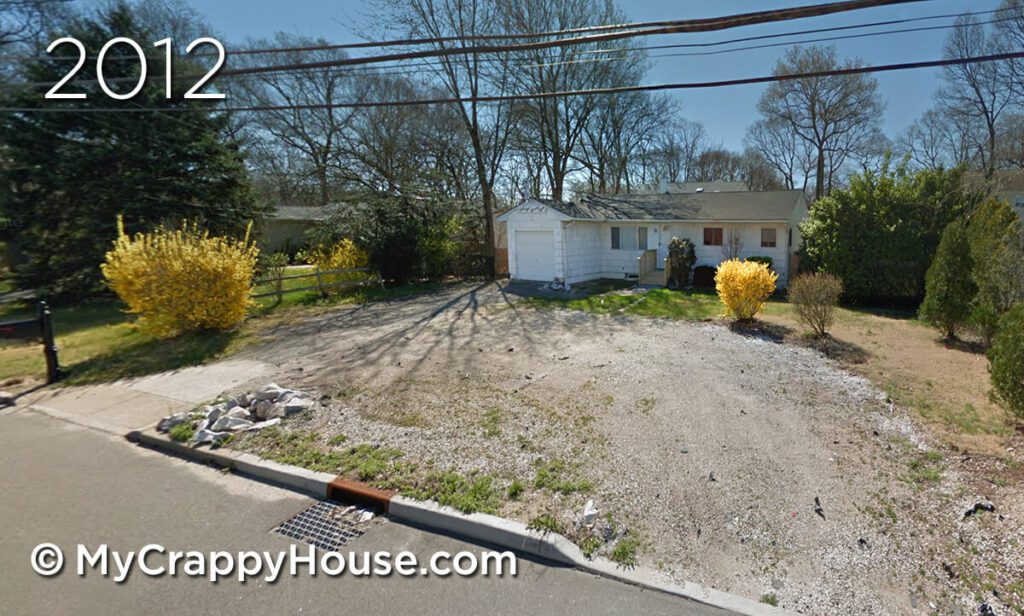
946 385
733 459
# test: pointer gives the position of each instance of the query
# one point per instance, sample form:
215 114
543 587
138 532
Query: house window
767 238
624 238
643 238
712 236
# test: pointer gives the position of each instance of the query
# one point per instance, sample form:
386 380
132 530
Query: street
68 485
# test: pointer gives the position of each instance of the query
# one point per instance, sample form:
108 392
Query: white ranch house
627 236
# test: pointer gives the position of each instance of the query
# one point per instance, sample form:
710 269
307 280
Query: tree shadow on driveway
453 326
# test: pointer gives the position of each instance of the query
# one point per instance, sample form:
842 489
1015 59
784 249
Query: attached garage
535 255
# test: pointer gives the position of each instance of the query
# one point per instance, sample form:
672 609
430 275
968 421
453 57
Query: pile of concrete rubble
248 411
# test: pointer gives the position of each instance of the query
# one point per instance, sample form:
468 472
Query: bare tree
977 92
1010 31
676 149
783 150
386 146
466 76
827 113
617 138
1010 153
316 134
22 21
555 125
758 173
716 164
936 140
23 24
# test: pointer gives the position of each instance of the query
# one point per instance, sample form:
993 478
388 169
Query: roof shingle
706 206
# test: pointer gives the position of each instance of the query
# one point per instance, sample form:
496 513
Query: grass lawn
946 385
97 341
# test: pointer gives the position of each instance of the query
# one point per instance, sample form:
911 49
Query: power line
674 27
402 70
859 70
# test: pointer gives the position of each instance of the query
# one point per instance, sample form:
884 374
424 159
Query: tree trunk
819 190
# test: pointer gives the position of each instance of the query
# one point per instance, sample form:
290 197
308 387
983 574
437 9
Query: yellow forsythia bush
181 280
743 286
343 255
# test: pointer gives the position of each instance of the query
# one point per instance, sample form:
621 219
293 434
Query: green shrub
1006 358
879 234
766 260
681 257
815 297
949 288
997 250
984 319
407 239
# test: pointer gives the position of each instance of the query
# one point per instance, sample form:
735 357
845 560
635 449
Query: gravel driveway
751 466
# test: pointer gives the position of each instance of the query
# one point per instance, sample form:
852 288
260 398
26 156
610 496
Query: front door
664 237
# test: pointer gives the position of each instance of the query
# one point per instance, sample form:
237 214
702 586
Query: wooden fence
370 276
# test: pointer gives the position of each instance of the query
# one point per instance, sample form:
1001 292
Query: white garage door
535 255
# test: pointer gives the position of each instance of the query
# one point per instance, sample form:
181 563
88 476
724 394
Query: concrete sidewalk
133 404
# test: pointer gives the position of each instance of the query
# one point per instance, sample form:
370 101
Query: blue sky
725 112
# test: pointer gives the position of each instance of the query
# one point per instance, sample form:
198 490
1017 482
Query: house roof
302 213
693 187
1002 181
704 206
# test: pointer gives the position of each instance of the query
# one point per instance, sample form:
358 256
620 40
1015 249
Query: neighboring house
627 236
1007 184
287 226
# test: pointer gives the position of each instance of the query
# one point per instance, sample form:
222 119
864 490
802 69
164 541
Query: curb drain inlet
326 525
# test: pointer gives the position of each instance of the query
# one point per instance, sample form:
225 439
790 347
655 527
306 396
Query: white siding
618 263
584 243
534 217
750 238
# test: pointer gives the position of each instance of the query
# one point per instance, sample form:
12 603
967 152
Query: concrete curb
429 515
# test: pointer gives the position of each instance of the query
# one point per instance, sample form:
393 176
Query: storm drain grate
326 525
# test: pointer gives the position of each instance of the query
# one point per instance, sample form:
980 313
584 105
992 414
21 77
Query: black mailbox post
39 329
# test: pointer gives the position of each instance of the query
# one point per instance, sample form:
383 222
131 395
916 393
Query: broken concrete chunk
209 436
270 392
213 413
262 424
239 413
165 424
263 409
230 423
297 405
286 395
